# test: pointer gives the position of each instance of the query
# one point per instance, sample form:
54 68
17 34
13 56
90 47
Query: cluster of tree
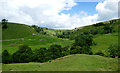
4 23
64 34
107 28
25 54
38 29
114 51
82 44
99 24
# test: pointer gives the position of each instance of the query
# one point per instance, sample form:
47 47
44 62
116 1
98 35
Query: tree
55 51
4 23
82 44
83 40
108 28
40 55
23 55
6 57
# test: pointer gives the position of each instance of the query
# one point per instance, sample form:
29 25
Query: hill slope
15 31
97 28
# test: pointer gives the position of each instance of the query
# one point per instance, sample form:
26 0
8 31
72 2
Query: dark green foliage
76 50
108 28
81 50
114 50
4 23
99 53
84 40
55 51
82 44
23 55
64 34
38 29
99 24
65 51
97 31
40 55
6 57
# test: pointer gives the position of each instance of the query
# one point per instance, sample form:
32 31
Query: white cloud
107 9
46 13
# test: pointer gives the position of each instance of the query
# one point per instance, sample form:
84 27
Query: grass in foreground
77 62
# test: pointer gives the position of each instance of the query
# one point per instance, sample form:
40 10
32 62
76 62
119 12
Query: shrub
108 28
114 50
99 53
6 57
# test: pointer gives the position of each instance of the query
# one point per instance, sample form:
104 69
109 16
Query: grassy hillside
104 41
69 63
99 29
15 31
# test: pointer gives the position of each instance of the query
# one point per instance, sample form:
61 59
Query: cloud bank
46 13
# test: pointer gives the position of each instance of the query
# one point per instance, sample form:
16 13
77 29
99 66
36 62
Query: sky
58 14
88 7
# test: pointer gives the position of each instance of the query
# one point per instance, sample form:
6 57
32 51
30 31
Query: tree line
25 54
82 45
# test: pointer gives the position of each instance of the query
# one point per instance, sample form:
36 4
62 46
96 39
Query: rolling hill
16 31
76 62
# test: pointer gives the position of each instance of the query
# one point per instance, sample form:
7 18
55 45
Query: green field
75 62
104 41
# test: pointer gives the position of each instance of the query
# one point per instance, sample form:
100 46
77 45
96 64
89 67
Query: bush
108 28
6 57
114 50
99 53
80 50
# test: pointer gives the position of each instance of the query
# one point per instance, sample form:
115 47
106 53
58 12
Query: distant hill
15 30
98 27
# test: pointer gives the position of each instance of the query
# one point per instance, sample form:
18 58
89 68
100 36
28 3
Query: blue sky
88 7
